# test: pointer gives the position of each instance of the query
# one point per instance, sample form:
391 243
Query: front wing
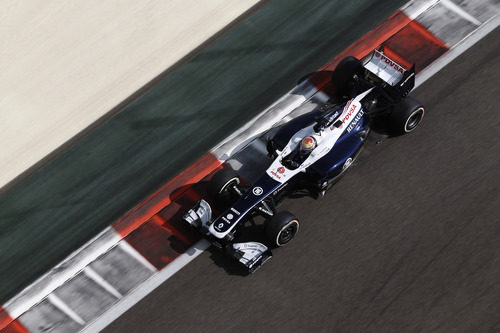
252 255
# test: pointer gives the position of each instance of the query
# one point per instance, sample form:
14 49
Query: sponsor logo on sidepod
348 114
355 121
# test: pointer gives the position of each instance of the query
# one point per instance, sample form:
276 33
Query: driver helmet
308 144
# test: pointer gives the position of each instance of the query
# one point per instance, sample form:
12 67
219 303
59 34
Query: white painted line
58 303
61 273
101 281
450 5
414 9
125 246
264 120
145 288
458 49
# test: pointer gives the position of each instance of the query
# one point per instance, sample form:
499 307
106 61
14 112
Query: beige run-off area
64 64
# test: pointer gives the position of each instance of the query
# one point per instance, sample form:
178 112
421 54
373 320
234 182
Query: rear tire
219 187
281 228
343 75
406 116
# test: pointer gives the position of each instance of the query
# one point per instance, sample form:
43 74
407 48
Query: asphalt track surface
185 113
407 241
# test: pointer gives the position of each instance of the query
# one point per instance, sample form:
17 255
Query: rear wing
399 81
383 67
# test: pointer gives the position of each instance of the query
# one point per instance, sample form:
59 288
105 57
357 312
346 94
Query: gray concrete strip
65 66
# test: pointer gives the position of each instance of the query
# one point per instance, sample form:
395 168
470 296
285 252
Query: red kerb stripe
166 194
9 325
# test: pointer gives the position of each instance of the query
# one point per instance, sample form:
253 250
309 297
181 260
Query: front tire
281 228
406 116
222 184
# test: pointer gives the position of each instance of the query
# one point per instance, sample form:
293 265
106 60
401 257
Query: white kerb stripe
58 303
415 8
100 281
460 12
125 246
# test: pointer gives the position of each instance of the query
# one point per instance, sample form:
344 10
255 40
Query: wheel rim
414 119
347 163
231 182
287 233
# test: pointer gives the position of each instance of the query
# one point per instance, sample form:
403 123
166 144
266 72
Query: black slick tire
406 116
220 185
342 76
281 228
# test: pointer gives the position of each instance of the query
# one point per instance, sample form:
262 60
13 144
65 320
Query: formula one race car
311 151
